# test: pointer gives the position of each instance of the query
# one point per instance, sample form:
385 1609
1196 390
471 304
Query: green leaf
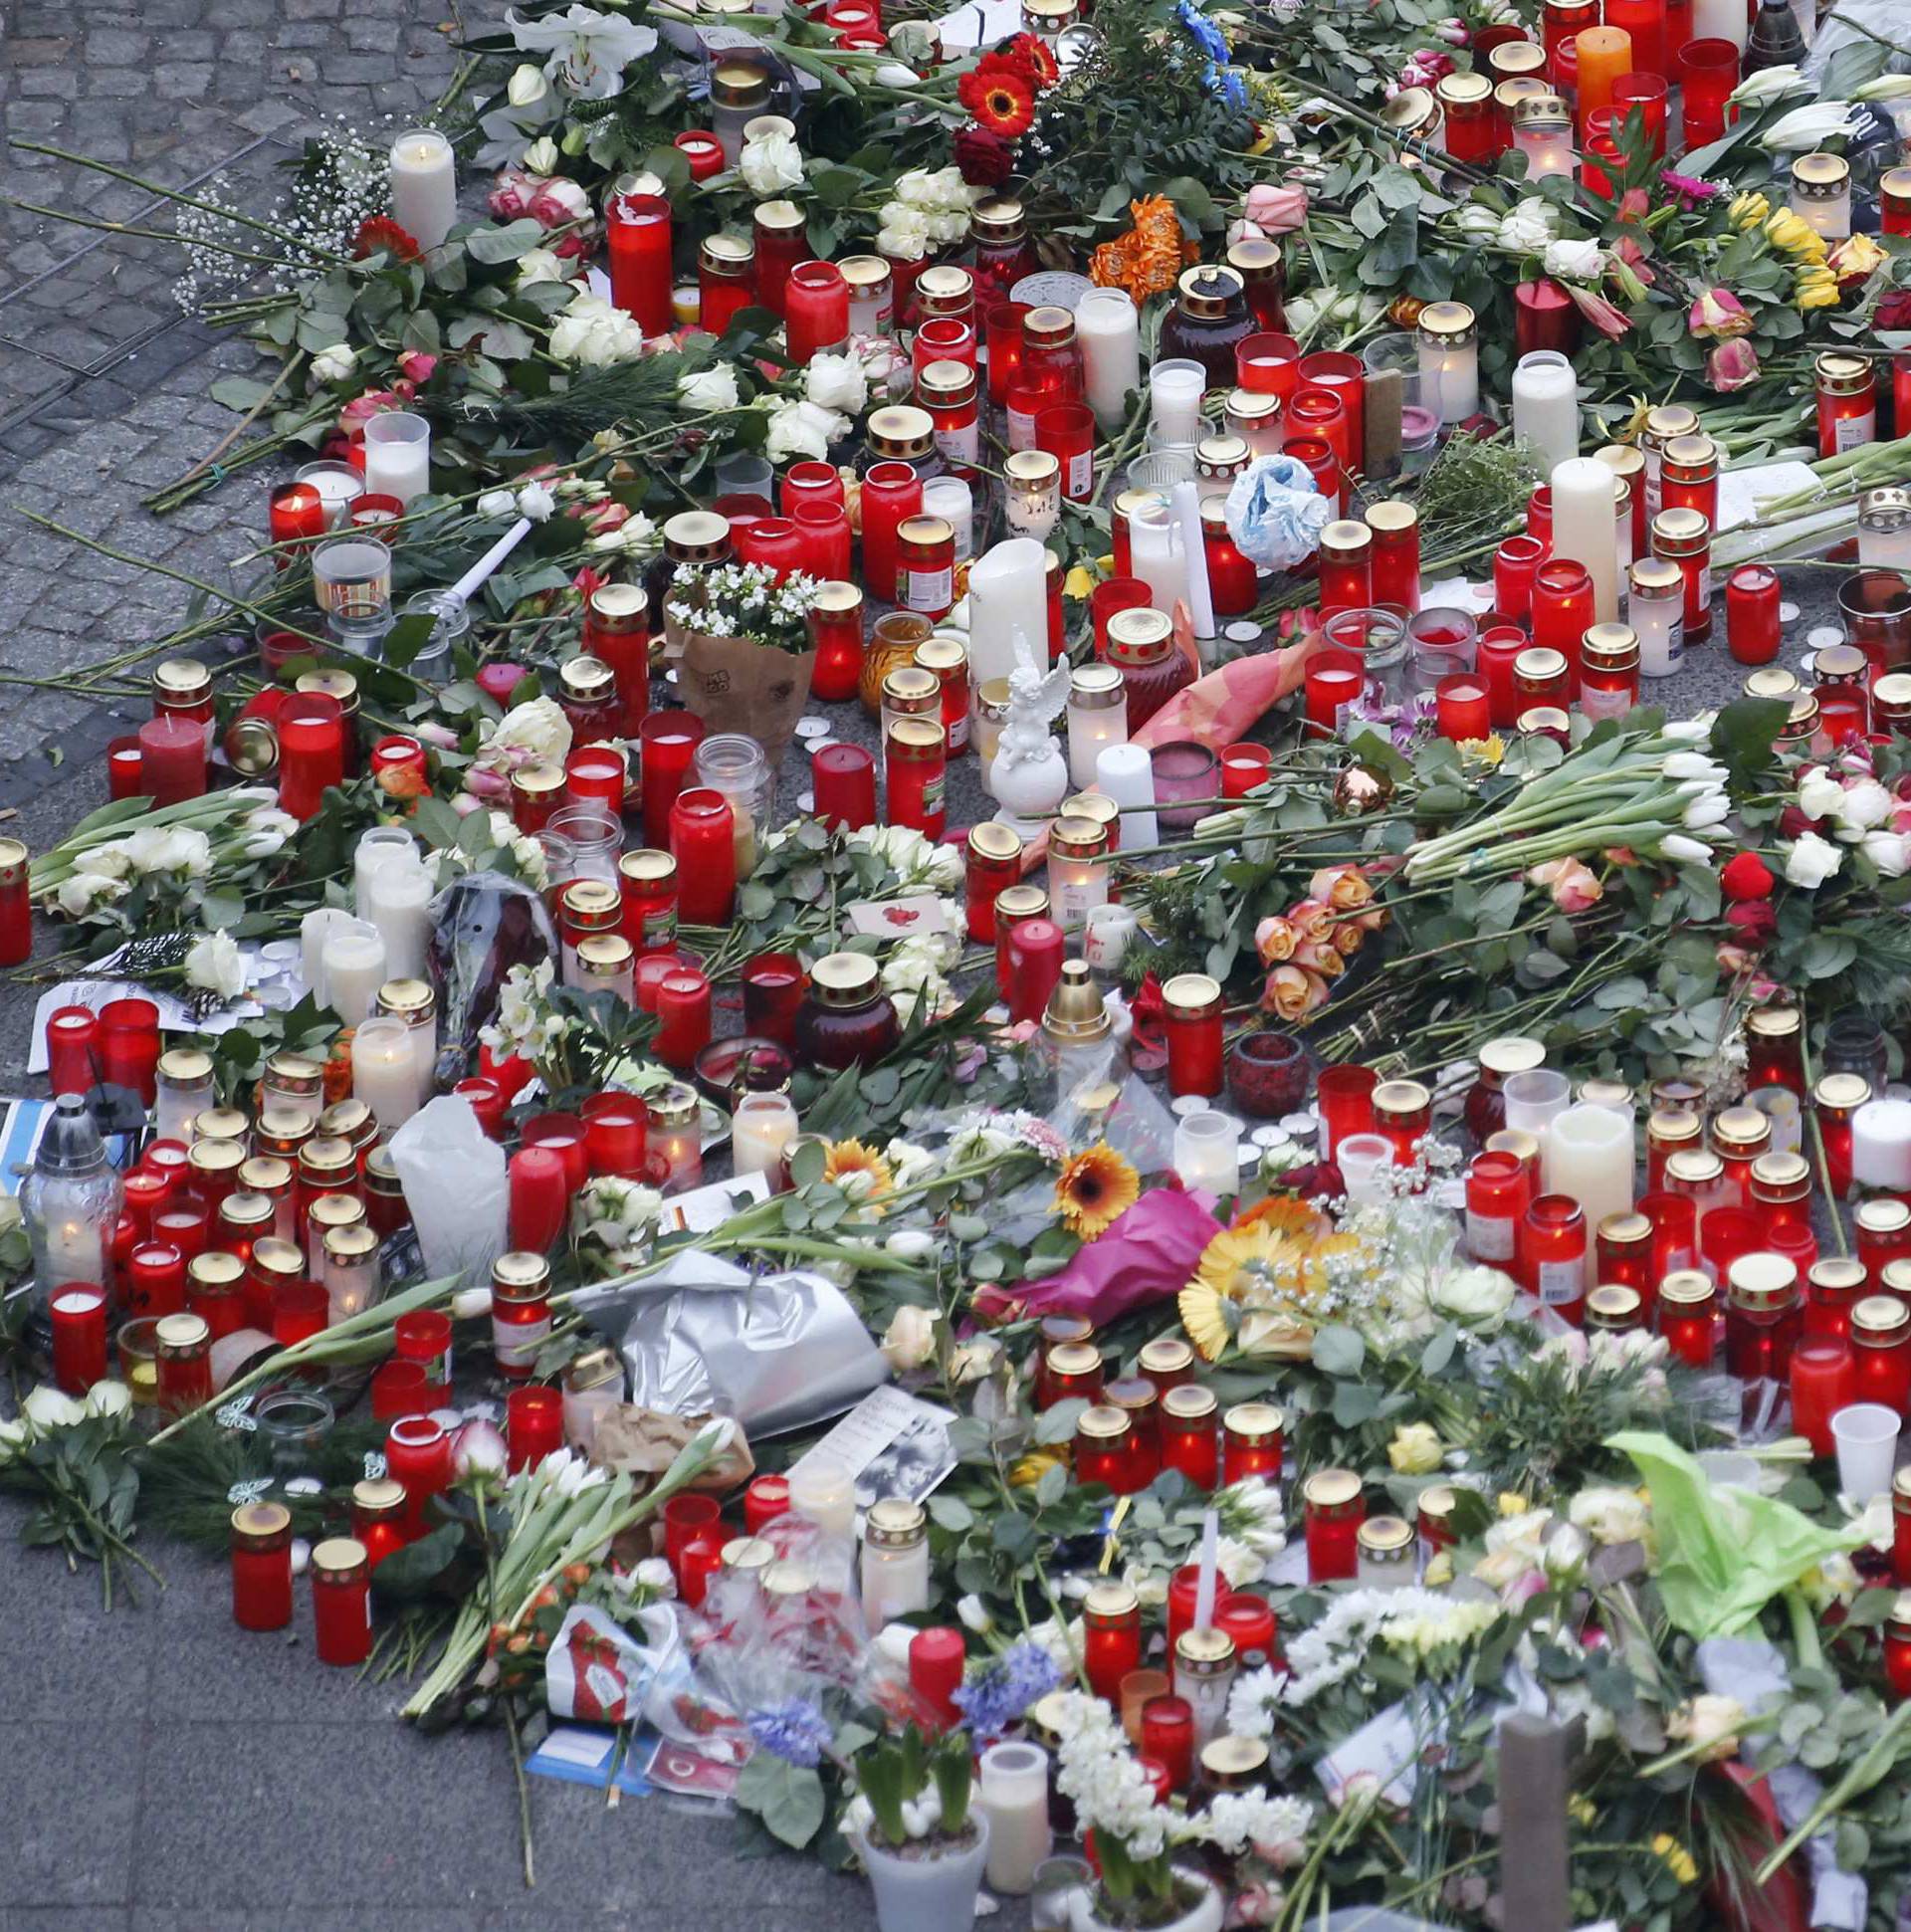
1338 1351
411 1572
787 1796
1056 1423
951 1513
238 392
496 246
407 638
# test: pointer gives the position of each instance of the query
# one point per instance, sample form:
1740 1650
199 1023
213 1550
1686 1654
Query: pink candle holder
1187 783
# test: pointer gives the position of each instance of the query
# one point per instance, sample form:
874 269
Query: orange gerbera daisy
1000 96
1095 1190
860 1171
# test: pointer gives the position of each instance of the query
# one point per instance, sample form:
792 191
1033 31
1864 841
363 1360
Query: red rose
1754 920
1793 823
1894 312
1747 877
985 159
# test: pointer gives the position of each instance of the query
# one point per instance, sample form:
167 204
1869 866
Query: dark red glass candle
683 1017
1193 1016
72 1034
260 1547
341 1601
1752 628
1513 565
1346 376
702 838
772 990
1190 1436
533 1424
1111 1638
172 758
1553 1249
1268 364
1544 317
1344 1095
1824 1381
639 235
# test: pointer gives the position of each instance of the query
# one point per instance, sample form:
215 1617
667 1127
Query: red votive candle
533 1424
1249 1621
1824 1381
125 768
563 1134
341 1601
78 1318
540 1197
172 758
300 1310
892 494
1346 376
1335 679
1344 1095
487 1102
418 1456
156 1279
703 839
1752 628
1335 1509
1030 955
617 1128
424 1337
72 1032
815 309
668 742
843 781
595 772
1243 769
639 235
772 990
703 1561
936 1661
260 1547
685 1517
1168 1736
1513 565
1268 365
401 1389
1461 706
683 1017
766 1499
312 751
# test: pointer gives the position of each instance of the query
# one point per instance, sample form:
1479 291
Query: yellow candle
1604 53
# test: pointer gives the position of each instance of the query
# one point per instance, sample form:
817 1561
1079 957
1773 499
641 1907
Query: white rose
48 1407
1812 861
910 1243
542 156
655 1573
711 388
802 429
1479 1297
771 165
1863 805
1820 793
496 504
537 728
334 365
1891 852
535 502
1574 261
1610 1515
1710 1722
538 264
108 1398
595 333
836 383
527 88
214 963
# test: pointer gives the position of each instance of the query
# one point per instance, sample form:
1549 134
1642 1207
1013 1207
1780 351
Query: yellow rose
1816 289
1031 1468
1856 257
1676 1860
1796 236
1416 1449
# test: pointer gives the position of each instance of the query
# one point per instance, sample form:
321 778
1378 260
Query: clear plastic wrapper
456 1187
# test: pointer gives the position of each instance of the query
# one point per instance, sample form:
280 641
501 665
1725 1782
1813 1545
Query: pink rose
556 201
1576 888
417 365
510 194
1731 365
1719 314
1276 210
354 417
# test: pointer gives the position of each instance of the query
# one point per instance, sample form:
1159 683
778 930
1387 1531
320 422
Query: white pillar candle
1012 1794
383 1073
1126 774
822 1490
424 186
1583 529
1156 556
1656 608
1881 1144
313 929
1007 599
760 1130
1720 20
1109 330
351 1285
1174 391
1186 505
1207 1151
355 969
398 455
399 893
1546 406
1588 1154
1097 719
950 499
380 845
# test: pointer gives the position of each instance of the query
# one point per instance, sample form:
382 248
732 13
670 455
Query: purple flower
795 1731
1688 187
995 1698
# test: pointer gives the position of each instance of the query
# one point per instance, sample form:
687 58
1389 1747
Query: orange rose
1275 940
1342 887
1319 956
1348 937
1292 991
1312 921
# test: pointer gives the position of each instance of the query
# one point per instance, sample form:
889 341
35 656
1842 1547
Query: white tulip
1708 808
1687 851
526 86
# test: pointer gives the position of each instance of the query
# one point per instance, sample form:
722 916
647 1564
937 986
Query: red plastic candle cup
1643 94
72 1036
815 309
1249 1621
312 751
639 235
1725 1233
1243 767
183 1225
78 1318
616 1131
1168 1736
1109 599
401 1388
157 1283
1317 411
418 1458
702 1560
398 767
172 758
766 1499
668 742
703 840
843 782
373 511
685 1517
1002 330
1268 365
1066 430
1545 316
1513 565
1708 72
1752 628
944 338
892 494
128 1039
533 1424
146 1191
1335 680
125 767
1346 375
1824 1380
1563 609
296 514
936 1661
487 1102
424 1337
1461 706
683 1017
652 971
704 154
772 990
811 482
596 773
564 1135
1344 1095
822 533
300 1310
1498 647
773 544
540 1197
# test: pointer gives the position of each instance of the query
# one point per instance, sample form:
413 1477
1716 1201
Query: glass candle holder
1334 1510
1183 771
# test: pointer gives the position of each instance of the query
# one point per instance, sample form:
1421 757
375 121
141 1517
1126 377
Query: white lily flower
588 49
1887 87
1769 83
1807 130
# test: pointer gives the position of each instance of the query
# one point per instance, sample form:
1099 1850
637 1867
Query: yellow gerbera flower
860 1171
1260 1282
1676 1860
1483 750
1095 1190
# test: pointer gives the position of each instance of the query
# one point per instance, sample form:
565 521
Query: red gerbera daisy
1034 57
379 234
1000 96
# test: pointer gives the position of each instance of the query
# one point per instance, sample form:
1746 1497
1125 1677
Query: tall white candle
1110 331
760 1130
355 969
313 929
1174 391
1126 774
1582 528
399 893
384 1074
1588 1154
1007 598
398 455
1012 1794
1158 557
1546 406
1720 20
1186 505
424 186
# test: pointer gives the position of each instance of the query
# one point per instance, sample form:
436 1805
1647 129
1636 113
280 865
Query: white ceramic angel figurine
1029 776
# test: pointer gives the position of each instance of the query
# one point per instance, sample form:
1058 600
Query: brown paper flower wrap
734 684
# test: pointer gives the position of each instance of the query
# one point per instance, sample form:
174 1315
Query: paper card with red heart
898 919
